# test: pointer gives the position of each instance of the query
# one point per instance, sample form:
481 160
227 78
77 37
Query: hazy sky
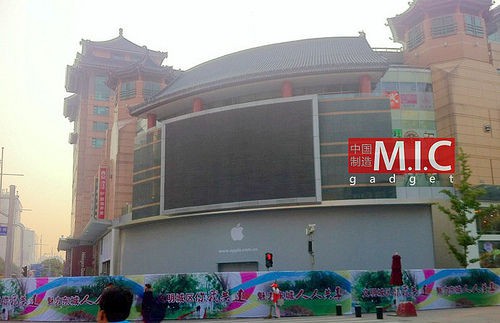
38 38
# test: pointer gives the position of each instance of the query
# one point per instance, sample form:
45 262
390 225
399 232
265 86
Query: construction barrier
247 294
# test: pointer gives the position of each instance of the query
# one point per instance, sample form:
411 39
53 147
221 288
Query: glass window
100 126
118 56
101 110
390 86
98 142
474 26
415 36
490 224
150 89
489 254
101 90
443 26
127 90
407 87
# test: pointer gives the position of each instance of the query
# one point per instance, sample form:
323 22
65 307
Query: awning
94 229
66 244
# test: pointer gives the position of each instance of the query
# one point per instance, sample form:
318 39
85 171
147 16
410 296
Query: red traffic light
269 259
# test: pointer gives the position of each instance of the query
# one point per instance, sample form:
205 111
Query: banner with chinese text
248 294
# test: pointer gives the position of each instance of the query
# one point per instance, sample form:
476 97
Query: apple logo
237 233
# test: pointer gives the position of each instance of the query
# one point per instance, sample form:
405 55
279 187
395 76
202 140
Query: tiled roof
295 58
121 43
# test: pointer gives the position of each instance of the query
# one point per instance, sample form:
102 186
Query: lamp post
310 229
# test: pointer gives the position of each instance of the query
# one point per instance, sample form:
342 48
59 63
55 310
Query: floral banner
248 294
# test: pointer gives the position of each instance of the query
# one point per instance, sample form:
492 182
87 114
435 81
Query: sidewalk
487 314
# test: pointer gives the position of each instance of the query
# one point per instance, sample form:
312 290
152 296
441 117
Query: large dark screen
238 155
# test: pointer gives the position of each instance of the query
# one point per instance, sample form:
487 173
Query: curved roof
295 58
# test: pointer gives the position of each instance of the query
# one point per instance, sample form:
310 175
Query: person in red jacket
276 296
396 273
396 276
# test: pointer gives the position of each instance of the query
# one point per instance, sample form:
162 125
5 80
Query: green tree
464 210
52 267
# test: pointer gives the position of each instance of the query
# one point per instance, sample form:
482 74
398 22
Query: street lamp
310 229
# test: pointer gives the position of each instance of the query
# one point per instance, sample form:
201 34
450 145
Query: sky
39 38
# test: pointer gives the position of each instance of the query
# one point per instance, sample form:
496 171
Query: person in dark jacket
114 305
147 304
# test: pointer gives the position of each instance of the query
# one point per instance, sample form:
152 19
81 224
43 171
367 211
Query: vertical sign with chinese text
101 199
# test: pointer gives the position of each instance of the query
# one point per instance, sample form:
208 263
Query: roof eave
207 87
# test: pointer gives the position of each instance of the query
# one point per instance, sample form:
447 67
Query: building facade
247 153
22 243
105 78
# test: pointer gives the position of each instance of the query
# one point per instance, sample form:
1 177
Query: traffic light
25 271
269 259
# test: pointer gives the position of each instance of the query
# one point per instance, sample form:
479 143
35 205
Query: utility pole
1 178
40 244
9 249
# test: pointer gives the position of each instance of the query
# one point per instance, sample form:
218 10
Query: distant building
29 247
23 247
245 153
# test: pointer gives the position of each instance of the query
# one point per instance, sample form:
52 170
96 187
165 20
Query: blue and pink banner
248 294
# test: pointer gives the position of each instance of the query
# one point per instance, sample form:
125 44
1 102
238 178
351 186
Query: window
488 253
150 89
106 266
117 56
100 126
101 110
127 90
490 223
101 90
415 36
98 142
474 26
443 26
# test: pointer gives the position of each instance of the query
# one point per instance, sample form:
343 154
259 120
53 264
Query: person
5 315
396 273
114 305
147 304
396 276
276 298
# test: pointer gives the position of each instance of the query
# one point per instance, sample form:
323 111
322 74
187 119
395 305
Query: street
488 314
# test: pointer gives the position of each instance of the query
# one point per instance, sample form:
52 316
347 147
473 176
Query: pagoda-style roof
119 46
419 9
118 56
282 60
119 43
144 66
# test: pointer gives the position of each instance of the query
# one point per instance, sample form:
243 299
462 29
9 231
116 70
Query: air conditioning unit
73 137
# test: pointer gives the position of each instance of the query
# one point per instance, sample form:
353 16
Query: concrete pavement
489 314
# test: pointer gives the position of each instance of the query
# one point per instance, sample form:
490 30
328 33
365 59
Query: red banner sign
401 155
101 200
